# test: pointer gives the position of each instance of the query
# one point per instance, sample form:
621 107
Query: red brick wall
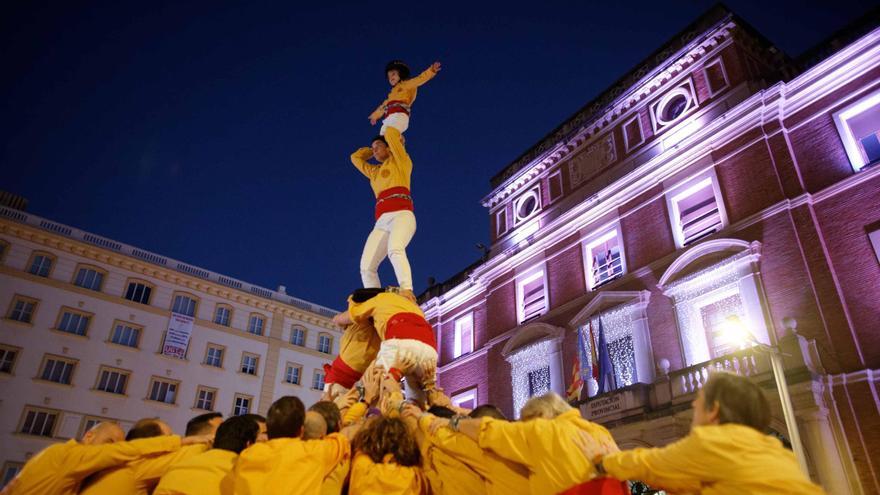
501 310
646 234
473 373
819 154
565 276
748 182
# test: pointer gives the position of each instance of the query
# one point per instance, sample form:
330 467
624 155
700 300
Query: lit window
205 398
163 390
73 322
292 374
241 405
39 422
89 278
859 128
298 336
604 258
10 471
7 358
255 324
112 381
41 265
466 399
527 205
22 309
696 211
214 356
539 381
57 369
531 296
874 236
325 343
223 315
464 335
318 380
125 334
138 292
249 364
184 305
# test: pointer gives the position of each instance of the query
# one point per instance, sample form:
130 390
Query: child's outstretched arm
422 78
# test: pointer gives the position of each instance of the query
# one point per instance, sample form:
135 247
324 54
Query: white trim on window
464 335
707 219
609 270
466 399
521 216
857 158
626 137
875 242
531 277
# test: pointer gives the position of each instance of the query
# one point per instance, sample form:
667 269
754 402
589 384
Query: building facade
719 179
84 327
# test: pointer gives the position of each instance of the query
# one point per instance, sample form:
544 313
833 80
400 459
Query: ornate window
527 205
859 127
696 209
603 257
673 106
535 357
531 296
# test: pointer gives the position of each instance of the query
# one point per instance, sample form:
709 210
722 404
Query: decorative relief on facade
592 159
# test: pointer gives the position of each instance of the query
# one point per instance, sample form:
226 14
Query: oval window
674 108
527 206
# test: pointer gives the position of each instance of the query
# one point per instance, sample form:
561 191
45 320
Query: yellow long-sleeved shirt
288 466
405 91
393 172
335 481
137 477
359 346
461 466
715 460
387 478
209 473
548 448
60 468
381 308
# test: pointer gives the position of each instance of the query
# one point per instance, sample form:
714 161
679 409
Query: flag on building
577 383
594 359
606 367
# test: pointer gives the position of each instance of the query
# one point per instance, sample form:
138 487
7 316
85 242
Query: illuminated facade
719 178
82 333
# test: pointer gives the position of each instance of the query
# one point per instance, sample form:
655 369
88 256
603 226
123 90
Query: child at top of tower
396 108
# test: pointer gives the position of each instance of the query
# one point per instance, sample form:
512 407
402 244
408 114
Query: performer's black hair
401 68
379 138
361 295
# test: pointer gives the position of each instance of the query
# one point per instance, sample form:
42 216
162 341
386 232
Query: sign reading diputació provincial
178 334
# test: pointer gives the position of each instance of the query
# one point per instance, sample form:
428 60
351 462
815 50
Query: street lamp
736 331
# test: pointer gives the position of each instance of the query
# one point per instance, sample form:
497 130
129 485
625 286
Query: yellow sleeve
359 160
680 466
86 459
395 144
457 445
420 79
155 466
332 449
510 440
354 413
361 312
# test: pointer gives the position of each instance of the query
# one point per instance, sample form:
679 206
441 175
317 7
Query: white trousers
390 236
416 360
399 121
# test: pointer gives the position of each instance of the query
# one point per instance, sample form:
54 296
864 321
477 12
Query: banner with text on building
178 334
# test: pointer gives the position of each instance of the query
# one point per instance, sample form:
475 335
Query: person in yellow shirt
408 345
357 350
550 442
395 221
210 473
139 476
726 452
261 422
59 469
396 108
334 483
386 460
286 464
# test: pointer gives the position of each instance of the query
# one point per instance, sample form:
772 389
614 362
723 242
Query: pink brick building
718 178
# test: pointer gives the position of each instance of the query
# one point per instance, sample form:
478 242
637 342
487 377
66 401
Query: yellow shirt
387 478
60 468
138 477
715 460
548 448
407 90
393 172
209 473
288 466
336 480
463 467
381 308
359 346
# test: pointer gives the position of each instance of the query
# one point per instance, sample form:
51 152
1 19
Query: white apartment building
82 332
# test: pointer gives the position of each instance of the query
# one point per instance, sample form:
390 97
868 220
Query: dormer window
527 205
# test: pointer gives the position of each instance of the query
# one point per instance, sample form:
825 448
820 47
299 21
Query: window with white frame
501 221
527 205
112 380
298 336
138 292
162 390
464 335
249 363
57 369
318 380
466 399
7 358
874 237
716 76
531 296
125 334
859 127
41 265
255 324
205 398
603 256
214 356
89 278
632 133
696 210
184 305
39 422
222 315
22 309
325 343
241 405
74 322
292 374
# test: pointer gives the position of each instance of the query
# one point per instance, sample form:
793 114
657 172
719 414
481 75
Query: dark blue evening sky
218 133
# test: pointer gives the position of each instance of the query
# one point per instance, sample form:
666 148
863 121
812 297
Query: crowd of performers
384 427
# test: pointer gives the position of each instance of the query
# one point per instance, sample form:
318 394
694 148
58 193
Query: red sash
598 486
410 326
341 373
393 199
